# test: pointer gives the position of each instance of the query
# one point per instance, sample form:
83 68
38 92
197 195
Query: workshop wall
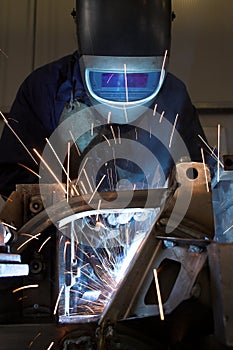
34 32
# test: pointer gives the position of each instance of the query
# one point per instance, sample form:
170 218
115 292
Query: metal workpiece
189 213
10 264
222 194
220 256
115 270
137 296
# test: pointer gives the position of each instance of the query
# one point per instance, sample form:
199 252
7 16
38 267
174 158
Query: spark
85 161
107 140
18 138
173 129
28 240
97 283
136 133
25 287
76 237
154 110
68 172
110 178
42 245
112 75
203 160
115 167
8 225
88 307
50 170
211 150
29 235
22 298
126 84
92 129
159 295
164 61
33 340
109 116
65 247
161 117
74 187
60 240
113 133
7 198
87 178
89 286
218 147
4 54
90 246
228 229
16 121
119 134
32 171
54 152
84 188
75 143
126 116
50 345
98 208
58 299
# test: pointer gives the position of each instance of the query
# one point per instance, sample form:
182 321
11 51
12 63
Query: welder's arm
25 121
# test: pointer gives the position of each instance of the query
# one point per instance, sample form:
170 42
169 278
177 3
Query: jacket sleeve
33 117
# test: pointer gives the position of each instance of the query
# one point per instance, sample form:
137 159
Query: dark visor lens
115 86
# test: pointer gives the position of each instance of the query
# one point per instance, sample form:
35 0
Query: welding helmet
124 48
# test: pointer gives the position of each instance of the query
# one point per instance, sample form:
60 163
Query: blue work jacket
42 97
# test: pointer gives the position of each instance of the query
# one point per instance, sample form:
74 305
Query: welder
120 70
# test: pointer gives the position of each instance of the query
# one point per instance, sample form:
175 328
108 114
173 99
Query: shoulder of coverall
61 74
173 97
55 83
